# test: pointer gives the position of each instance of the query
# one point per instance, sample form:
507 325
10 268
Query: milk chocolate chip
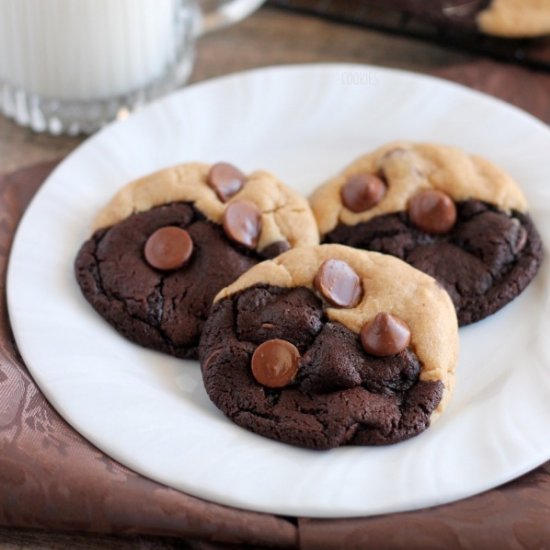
168 248
242 222
225 179
432 211
275 363
521 239
338 283
385 335
362 191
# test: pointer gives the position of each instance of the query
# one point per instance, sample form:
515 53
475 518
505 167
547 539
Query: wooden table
268 37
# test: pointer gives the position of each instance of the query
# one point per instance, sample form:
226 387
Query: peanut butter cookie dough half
166 244
455 216
515 18
327 346
502 18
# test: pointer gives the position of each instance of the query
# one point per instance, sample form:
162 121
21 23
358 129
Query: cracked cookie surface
166 309
489 255
341 395
484 262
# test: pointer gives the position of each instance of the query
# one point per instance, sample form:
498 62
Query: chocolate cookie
167 243
503 18
455 216
515 18
328 346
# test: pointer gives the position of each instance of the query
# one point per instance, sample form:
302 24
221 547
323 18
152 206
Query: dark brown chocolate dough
341 395
362 191
385 335
242 222
485 261
338 283
225 179
168 248
161 310
449 14
274 249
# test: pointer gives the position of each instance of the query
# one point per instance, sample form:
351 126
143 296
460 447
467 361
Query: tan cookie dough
516 18
409 168
389 285
286 215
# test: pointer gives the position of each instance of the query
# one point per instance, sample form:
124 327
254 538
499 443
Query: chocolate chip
432 211
385 335
521 240
225 179
274 249
362 191
168 248
275 363
338 283
242 222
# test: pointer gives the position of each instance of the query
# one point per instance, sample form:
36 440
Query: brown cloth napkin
50 477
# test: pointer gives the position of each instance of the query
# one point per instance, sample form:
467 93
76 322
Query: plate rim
459 495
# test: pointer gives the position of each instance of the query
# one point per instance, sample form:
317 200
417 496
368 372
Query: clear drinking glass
69 66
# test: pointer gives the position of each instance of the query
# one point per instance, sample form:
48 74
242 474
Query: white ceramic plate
304 123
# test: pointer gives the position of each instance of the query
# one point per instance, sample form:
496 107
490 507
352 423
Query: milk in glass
86 49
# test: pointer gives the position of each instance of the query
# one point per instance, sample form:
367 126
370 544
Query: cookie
502 18
455 216
515 18
327 346
167 243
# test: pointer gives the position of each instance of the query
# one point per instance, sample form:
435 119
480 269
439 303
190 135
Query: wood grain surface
270 37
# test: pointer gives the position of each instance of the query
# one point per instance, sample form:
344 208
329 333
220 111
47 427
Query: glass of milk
70 66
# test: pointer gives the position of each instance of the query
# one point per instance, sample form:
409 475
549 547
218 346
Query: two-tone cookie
327 346
503 18
515 18
166 244
452 215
